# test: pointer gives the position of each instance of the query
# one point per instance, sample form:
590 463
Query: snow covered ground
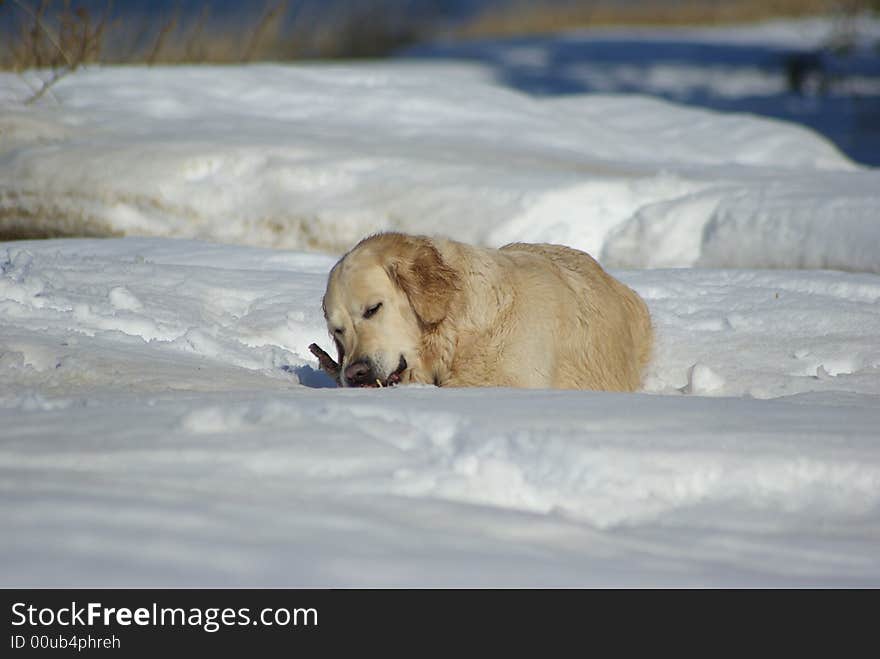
162 422
314 157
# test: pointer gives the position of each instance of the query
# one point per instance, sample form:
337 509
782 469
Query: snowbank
822 73
316 156
162 423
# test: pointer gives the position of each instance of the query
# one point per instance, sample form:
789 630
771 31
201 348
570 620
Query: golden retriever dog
414 309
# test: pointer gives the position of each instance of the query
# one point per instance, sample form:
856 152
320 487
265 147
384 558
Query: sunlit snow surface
162 423
315 156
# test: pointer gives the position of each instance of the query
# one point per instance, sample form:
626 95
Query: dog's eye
369 313
339 331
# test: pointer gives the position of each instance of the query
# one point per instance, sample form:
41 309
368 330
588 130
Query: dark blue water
441 9
850 120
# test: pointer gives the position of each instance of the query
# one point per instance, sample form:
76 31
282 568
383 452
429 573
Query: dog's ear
429 283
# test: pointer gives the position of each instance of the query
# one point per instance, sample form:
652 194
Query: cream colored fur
525 315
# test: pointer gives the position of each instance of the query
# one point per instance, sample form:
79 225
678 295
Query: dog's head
381 298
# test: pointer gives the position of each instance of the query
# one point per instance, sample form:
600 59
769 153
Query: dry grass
544 17
60 36
48 33
202 39
55 36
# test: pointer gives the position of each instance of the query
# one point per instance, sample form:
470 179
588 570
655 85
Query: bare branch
46 31
56 76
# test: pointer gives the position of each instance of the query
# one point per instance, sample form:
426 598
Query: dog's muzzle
362 373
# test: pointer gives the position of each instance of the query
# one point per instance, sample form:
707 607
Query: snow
162 422
743 68
316 156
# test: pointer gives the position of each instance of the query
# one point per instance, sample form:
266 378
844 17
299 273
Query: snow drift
162 423
316 156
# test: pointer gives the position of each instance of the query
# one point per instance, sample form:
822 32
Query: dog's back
599 333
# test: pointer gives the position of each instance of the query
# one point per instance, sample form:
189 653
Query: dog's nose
359 373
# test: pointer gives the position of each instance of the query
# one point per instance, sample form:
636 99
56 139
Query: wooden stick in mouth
328 364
